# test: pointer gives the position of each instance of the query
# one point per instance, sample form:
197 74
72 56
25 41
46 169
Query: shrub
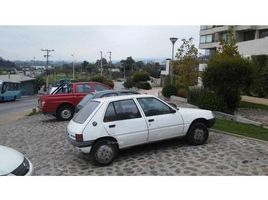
140 76
260 81
169 90
227 77
182 92
102 79
206 99
128 83
143 85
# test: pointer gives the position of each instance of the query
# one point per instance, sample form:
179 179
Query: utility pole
101 62
46 56
73 66
110 64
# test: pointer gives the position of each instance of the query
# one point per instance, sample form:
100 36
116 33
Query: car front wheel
197 134
104 152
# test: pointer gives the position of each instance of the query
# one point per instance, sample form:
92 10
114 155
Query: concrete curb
239 136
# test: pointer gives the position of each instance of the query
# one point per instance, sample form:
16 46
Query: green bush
102 79
227 77
143 85
140 76
128 83
206 99
260 81
169 90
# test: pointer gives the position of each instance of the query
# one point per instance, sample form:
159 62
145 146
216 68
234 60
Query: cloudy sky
85 42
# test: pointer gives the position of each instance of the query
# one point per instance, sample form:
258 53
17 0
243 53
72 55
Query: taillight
79 137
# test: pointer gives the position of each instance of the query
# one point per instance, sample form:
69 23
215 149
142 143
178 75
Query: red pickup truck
61 103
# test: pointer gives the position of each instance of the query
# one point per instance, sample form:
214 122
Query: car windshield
0 87
85 100
85 112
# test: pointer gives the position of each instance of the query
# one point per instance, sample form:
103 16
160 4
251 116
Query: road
13 110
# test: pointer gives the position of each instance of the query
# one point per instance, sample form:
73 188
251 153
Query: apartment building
251 40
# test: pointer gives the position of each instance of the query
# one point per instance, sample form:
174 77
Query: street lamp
73 65
173 41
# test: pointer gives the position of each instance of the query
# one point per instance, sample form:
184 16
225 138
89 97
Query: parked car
13 163
106 125
62 102
105 93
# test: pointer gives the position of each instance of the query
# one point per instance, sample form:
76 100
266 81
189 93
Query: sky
86 42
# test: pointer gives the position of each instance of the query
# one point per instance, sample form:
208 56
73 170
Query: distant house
27 84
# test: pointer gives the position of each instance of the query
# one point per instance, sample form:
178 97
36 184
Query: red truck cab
61 103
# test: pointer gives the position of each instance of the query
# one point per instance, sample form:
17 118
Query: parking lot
42 139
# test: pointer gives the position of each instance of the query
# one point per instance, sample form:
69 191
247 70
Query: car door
124 121
163 121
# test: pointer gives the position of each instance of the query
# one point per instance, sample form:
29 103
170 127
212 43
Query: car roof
117 98
114 91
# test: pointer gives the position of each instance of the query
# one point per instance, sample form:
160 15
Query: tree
186 65
128 64
84 65
228 45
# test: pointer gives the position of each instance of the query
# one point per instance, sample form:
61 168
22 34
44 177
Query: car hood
10 159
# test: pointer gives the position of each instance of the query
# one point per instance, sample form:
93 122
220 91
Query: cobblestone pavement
43 141
255 115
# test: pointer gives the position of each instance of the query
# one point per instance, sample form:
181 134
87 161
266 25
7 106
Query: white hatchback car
13 163
106 125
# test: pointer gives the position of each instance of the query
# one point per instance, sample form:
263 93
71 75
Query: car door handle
112 126
150 120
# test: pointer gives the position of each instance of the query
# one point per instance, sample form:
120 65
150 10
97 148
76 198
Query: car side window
110 114
83 89
152 106
87 88
99 87
122 110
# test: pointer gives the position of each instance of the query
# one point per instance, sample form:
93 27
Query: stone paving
258 115
42 139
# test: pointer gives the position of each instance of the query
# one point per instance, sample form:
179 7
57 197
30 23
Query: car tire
104 152
65 113
15 98
197 134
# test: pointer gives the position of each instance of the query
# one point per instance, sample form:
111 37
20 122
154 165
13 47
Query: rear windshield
86 99
85 112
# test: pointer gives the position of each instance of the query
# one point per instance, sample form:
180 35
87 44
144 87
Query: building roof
15 78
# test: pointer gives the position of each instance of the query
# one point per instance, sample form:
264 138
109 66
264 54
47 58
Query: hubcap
66 114
199 134
104 154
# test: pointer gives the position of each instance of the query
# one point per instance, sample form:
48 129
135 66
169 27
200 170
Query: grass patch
250 105
241 129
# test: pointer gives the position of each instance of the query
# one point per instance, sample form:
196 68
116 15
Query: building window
206 27
206 39
224 36
249 35
263 33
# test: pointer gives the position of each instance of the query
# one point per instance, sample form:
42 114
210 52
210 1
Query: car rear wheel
65 113
104 152
197 134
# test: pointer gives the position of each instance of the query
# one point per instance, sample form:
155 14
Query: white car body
131 132
12 161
